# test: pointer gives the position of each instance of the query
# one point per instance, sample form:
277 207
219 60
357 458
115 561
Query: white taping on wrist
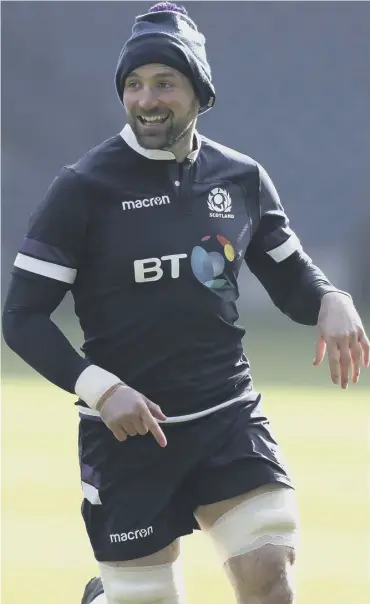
93 383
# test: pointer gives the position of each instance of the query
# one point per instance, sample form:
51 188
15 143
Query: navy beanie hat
167 35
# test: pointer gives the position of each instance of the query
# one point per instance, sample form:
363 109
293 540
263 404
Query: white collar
130 138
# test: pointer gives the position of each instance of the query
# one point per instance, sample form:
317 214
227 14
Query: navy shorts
139 497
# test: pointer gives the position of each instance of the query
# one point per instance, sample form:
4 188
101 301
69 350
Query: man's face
160 104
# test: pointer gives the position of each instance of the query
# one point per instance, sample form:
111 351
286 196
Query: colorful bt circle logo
209 266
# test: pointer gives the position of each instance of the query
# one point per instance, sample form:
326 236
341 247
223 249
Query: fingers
356 358
119 433
132 427
345 357
155 409
128 413
365 345
320 350
345 363
139 426
334 361
151 423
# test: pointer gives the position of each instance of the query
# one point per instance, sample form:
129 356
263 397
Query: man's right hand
126 412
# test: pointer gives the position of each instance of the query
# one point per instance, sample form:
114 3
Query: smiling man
149 231
165 119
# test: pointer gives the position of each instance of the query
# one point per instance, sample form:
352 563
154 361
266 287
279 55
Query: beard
163 136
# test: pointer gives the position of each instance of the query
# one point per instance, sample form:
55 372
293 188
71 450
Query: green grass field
46 557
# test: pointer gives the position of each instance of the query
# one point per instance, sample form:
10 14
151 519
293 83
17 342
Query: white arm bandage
93 383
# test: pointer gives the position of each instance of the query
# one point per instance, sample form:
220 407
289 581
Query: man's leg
256 535
155 578
245 501
135 511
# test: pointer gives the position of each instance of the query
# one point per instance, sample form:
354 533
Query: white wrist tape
93 383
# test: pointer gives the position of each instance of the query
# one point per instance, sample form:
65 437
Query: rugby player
148 231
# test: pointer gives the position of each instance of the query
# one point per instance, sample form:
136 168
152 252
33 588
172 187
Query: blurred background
292 82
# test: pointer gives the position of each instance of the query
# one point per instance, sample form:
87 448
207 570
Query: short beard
175 131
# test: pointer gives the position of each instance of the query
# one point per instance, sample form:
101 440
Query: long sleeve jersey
151 251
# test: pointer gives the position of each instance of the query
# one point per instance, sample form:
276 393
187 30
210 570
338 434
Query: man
149 231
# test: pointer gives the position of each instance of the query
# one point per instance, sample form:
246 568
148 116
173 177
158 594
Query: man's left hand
342 334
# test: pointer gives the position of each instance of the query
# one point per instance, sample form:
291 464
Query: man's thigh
246 523
247 506
134 505
167 555
244 457
256 537
207 515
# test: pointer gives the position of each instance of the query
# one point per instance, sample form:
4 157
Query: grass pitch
46 557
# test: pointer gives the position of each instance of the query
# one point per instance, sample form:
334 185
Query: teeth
153 120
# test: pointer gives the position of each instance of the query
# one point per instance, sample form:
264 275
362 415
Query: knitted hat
167 35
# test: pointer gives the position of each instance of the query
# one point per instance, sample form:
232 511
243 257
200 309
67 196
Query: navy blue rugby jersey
151 250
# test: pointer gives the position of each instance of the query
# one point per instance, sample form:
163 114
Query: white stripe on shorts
91 493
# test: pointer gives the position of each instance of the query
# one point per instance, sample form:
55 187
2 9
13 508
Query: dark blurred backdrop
292 82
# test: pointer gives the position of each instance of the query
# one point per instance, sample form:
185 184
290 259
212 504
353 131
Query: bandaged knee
162 584
100 599
267 518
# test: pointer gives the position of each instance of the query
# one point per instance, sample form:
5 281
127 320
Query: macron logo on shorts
146 203
131 535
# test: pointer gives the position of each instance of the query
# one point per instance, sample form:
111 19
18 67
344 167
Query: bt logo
207 264
150 269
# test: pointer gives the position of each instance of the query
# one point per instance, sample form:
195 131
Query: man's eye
164 85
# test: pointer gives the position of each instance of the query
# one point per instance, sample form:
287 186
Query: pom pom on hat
168 6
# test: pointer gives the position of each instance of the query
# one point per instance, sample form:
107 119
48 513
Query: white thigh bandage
268 518
161 584
100 599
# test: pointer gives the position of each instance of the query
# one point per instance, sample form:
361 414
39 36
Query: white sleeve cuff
93 383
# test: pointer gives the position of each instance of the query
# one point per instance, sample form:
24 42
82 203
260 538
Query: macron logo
146 203
131 535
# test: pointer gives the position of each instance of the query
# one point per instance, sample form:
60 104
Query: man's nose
148 100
